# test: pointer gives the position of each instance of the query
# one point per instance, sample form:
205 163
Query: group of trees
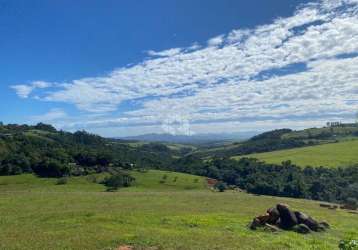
43 150
118 180
287 179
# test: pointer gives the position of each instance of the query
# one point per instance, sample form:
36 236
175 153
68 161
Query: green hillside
331 155
38 214
280 139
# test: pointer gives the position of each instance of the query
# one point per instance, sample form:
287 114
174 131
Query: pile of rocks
282 217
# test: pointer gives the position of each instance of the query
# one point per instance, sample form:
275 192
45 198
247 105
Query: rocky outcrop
282 217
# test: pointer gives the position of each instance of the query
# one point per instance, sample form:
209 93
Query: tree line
286 179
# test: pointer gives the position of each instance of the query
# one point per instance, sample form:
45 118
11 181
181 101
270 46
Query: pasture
329 155
153 214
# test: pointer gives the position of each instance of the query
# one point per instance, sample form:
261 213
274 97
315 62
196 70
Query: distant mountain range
192 139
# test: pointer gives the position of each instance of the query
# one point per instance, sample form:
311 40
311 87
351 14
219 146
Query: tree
45 127
118 180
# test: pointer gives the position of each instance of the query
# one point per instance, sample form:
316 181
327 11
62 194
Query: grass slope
330 155
37 214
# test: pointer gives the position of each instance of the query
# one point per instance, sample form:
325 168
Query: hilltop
25 149
282 139
195 139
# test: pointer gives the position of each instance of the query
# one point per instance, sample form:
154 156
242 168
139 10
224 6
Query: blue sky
131 67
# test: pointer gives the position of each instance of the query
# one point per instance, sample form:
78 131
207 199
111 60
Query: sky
130 67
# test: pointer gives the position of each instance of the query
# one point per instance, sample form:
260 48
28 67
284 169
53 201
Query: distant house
334 124
340 124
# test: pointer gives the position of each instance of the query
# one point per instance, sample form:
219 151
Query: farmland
330 155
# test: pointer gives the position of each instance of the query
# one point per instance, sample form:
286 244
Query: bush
220 186
348 245
117 181
62 181
51 168
352 203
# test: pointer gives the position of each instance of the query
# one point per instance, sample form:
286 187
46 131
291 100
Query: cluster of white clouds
24 90
234 81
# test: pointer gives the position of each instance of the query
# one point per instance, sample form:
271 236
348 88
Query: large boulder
282 217
287 217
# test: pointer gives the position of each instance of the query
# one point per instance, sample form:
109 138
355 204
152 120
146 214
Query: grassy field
183 214
330 155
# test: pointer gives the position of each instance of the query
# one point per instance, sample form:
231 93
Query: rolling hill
280 139
330 155
38 214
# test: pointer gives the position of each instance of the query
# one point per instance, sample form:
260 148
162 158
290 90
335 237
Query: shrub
352 203
220 186
348 245
118 180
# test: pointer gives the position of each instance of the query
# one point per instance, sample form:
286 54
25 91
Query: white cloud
216 41
231 79
24 91
165 53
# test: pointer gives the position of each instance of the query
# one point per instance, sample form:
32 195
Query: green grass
329 155
38 214
151 180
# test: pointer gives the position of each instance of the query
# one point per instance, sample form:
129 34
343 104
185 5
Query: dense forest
46 152
50 153
325 184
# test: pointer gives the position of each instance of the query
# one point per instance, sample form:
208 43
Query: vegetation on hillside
282 139
49 153
46 152
286 179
